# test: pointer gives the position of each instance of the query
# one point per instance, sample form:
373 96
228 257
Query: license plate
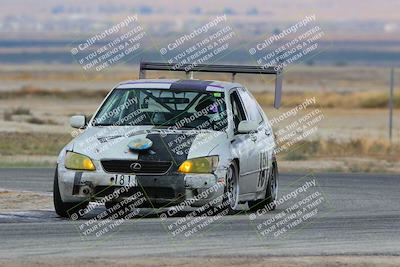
123 180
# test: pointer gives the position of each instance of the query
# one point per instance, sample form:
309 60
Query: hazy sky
337 10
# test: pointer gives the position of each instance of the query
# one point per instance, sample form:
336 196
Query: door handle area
253 137
267 132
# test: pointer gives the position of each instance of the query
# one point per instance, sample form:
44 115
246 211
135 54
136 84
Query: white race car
177 142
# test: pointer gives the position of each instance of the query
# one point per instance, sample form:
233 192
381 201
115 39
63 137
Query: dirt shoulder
320 261
24 200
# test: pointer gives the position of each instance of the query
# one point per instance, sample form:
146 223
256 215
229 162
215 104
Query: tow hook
87 189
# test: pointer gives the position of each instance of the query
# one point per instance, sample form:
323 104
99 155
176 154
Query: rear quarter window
251 107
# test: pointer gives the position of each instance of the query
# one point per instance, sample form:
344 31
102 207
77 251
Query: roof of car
175 84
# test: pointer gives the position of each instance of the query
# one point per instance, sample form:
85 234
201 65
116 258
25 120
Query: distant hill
362 32
348 19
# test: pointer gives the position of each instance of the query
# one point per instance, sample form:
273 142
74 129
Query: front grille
159 192
148 192
146 167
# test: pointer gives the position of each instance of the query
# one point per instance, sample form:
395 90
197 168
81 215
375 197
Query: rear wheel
65 209
271 192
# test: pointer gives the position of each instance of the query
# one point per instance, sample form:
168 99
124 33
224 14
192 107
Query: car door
262 153
244 146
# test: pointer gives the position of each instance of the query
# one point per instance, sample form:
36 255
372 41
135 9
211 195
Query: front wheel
231 194
65 209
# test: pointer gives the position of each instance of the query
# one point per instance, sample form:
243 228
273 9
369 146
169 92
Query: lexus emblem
135 166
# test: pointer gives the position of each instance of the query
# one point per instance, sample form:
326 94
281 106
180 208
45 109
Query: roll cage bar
233 69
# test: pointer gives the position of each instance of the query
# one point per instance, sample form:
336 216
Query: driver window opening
237 109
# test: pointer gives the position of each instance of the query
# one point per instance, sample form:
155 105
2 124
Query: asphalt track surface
359 215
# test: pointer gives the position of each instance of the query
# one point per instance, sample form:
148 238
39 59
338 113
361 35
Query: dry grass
32 91
21 111
361 147
369 99
7 115
339 164
50 144
36 120
24 114
32 143
359 155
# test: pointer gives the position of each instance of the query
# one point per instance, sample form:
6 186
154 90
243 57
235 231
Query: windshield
164 108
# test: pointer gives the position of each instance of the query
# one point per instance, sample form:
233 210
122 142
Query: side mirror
77 121
245 127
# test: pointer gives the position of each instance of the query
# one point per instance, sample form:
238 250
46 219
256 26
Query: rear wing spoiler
233 69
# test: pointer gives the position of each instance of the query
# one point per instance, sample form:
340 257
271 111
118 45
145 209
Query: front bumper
159 190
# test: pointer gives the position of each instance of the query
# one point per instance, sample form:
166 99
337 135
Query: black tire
270 194
109 205
65 209
112 209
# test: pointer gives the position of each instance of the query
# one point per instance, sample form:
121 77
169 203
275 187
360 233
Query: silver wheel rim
231 188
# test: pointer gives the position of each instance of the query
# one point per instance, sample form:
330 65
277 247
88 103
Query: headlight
199 165
77 161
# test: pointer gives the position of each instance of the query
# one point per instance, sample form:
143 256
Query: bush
7 116
36 120
21 111
295 155
334 148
